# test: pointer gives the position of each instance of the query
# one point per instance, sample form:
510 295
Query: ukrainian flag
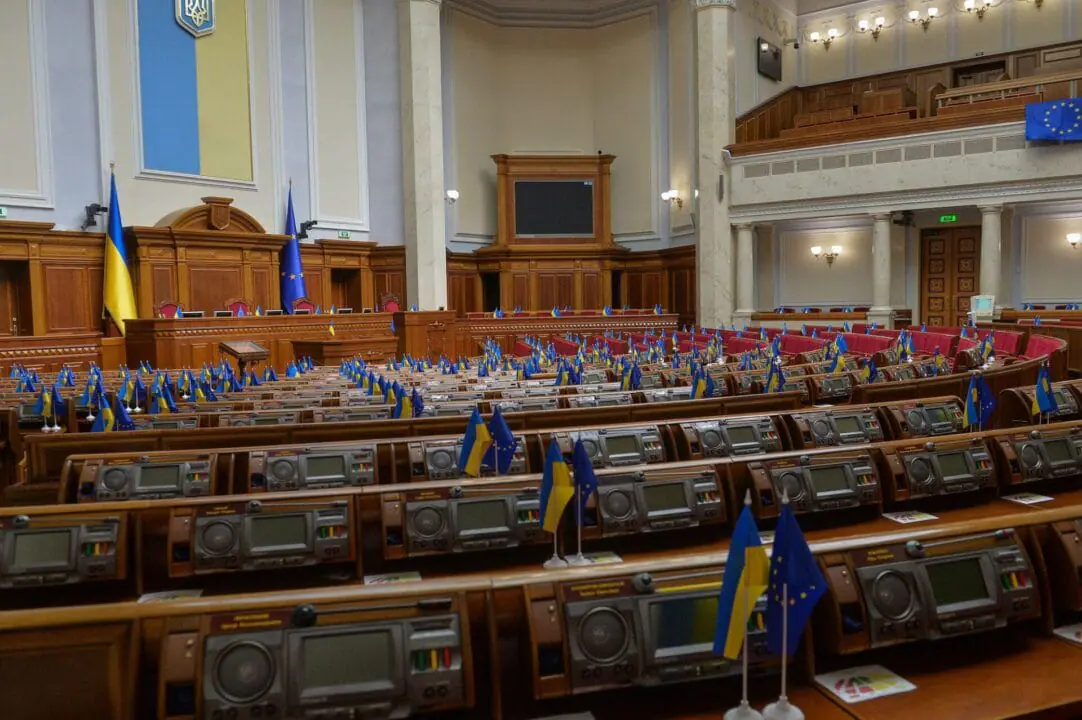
747 575
475 443
119 293
837 365
194 91
556 489
1044 400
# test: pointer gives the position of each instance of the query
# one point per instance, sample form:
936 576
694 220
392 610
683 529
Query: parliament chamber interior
541 359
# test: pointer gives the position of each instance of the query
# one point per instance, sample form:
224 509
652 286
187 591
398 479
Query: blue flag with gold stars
291 271
1057 120
792 564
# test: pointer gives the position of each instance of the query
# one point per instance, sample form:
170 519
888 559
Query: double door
950 274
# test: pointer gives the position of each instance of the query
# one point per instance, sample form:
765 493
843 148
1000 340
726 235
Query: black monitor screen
953 464
273 531
41 549
267 421
482 515
345 660
1058 450
743 435
326 466
683 622
937 414
554 207
829 479
664 496
622 445
956 582
157 476
848 424
1061 396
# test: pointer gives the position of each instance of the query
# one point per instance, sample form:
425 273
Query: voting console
729 437
616 447
311 468
632 630
438 459
63 549
814 483
139 478
925 591
937 468
374 660
1049 456
260 535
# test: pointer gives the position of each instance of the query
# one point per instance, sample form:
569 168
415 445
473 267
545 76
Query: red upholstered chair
390 303
238 307
168 309
304 304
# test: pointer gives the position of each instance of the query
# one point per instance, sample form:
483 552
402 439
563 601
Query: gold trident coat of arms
196 16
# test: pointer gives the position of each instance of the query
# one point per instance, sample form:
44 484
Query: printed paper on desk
1071 632
864 683
908 517
1027 498
603 558
393 578
169 595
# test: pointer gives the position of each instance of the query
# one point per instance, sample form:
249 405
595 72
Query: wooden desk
506 331
334 351
174 343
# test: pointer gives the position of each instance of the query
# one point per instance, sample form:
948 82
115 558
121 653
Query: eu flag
745 579
1044 400
794 575
504 442
980 403
291 270
1057 120
585 479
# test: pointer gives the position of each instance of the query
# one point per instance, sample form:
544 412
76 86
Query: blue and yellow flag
475 443
119 292
1044 400
869 373
795 576
746 578
557 489
837 365
1057 120
980 403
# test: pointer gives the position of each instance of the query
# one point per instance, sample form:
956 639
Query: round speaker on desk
283 470
217 538
244 672
442 459
115 479
1029 457
920 471
711 438
428 522
891 595
915 420
618 504
820 429
789 482
604 635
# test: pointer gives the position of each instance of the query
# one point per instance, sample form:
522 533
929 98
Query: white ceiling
803 7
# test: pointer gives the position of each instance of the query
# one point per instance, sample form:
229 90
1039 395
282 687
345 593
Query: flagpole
579 558
744 711
782 710
555 562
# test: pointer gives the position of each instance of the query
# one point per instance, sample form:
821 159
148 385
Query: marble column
880 312
991 257
745 271
716 127
422 152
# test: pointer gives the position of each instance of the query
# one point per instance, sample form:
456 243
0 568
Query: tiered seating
322 525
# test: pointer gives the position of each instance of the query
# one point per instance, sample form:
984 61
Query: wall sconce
915 18
864 26
979 7
835 251
673 197
1073 239
451 196
832 35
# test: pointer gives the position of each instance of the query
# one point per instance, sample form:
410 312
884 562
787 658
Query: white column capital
990 209
437 3
708 4
744 226
881 217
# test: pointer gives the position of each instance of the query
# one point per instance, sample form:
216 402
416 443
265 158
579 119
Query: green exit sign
3 212
343 234
946 219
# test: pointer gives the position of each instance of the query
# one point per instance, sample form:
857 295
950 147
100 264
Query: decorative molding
277 104
582 14
145 173
104 93
330 223
43 196
707 4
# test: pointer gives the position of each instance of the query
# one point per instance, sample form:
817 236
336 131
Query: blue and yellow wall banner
194 91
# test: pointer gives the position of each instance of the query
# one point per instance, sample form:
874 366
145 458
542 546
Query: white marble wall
952 168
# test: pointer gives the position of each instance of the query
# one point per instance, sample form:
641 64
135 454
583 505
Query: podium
427 333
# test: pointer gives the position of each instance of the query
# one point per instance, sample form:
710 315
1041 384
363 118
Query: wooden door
950 273
14 305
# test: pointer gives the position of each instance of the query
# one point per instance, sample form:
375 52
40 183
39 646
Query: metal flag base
743 711
782 710
578 560
555 563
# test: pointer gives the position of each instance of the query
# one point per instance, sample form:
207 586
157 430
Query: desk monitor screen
958 582
223 313
849 424
982 305
302 311
346 664
41 550
345 311
278 532
482 516
191 314
273 312
683 624
1059 451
